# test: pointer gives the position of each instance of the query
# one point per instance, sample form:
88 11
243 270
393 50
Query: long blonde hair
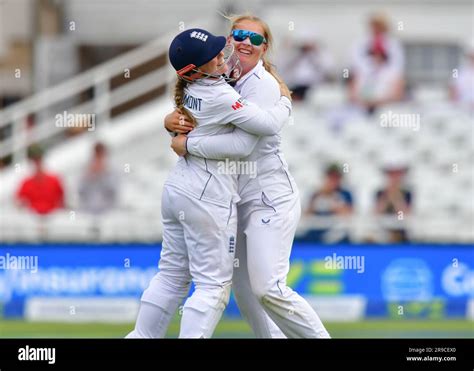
178 96
235 19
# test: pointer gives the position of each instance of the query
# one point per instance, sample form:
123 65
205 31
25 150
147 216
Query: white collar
257 70
208 81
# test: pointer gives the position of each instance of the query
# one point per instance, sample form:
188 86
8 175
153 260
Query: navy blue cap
194 46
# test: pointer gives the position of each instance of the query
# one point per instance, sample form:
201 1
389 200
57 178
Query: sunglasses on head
255 38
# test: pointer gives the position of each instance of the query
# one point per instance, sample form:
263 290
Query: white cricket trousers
264 240
198 244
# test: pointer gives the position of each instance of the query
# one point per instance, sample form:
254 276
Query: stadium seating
440 155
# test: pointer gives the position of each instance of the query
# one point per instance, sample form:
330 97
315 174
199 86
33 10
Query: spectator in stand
331 200
42 192
379 26
305 64
376 82
394 200
98 191
462 88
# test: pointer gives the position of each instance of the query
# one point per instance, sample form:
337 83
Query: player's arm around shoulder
252 118
262 90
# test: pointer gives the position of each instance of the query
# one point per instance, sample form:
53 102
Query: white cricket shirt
273 177
214 108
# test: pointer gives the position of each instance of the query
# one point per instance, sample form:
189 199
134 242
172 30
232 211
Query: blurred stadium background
85 86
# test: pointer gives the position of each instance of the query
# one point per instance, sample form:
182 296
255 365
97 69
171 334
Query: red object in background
378 45
42 192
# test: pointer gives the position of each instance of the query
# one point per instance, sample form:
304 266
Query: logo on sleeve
239 104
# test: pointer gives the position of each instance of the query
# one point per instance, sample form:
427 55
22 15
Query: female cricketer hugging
199 203
269 209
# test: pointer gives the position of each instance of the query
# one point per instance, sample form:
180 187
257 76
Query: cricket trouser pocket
261 213
225 217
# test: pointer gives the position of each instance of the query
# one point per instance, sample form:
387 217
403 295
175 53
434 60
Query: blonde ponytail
272 70
179 99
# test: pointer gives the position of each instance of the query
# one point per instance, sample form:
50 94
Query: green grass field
239 329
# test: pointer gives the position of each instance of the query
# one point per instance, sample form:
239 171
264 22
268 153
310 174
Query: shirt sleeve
265 94
236 144
234 109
